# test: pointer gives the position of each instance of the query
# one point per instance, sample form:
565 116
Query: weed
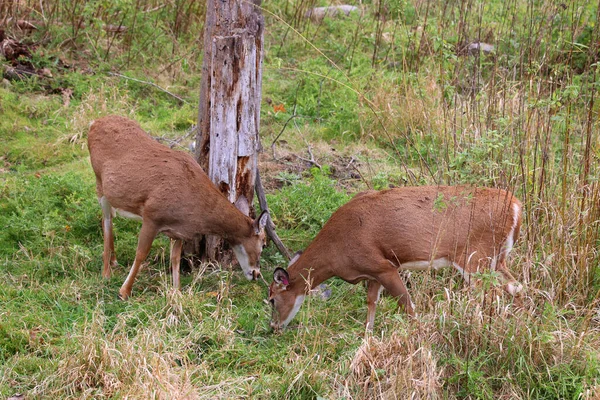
409 88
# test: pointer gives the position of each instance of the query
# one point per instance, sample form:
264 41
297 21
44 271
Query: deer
167 190
379 233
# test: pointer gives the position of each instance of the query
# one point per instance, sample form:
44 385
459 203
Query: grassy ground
386 96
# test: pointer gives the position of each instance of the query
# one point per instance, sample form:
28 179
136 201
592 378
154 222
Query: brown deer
168 191
377 233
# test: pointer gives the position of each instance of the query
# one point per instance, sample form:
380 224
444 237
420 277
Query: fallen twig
176 141
351 163
311 160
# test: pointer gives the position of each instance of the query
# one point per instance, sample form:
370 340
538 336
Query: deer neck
230 223
312 268
219 217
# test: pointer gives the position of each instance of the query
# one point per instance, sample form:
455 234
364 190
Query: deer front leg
176 245
108 256
147 235
374 290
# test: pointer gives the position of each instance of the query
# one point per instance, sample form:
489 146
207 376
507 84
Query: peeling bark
230 95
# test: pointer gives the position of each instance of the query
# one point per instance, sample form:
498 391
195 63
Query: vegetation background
399 92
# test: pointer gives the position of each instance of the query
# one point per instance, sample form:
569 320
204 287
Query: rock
11 74
322 291
318 13
475 47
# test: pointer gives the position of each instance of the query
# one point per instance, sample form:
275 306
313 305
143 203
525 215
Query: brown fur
372 235
167 189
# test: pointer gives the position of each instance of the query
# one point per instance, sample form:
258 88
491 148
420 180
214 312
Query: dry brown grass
418 361
115 364
109 99
147 363
397 367
407 108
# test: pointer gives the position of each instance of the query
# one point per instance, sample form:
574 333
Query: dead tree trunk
229 111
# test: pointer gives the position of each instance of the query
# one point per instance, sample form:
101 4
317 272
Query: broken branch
262 200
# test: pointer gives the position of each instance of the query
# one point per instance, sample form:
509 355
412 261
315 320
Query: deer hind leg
461 264
473 260
464 273
374 290
109 257
511 285
176 245
147 235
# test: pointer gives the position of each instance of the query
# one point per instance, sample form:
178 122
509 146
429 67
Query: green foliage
484 161
12 341
28 130
300 210
385 180
47 209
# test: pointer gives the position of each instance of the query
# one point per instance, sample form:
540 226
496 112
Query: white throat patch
297 304
242 257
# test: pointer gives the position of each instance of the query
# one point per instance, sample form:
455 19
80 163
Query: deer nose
255 275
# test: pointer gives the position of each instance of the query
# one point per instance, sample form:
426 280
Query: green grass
301 208
400 107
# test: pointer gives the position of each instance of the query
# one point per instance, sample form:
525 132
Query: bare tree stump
229 111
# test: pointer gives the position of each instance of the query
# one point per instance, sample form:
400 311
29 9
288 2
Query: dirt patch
279 164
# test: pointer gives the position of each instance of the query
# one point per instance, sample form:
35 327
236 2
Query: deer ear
295 257
261 221
242 204
281 277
